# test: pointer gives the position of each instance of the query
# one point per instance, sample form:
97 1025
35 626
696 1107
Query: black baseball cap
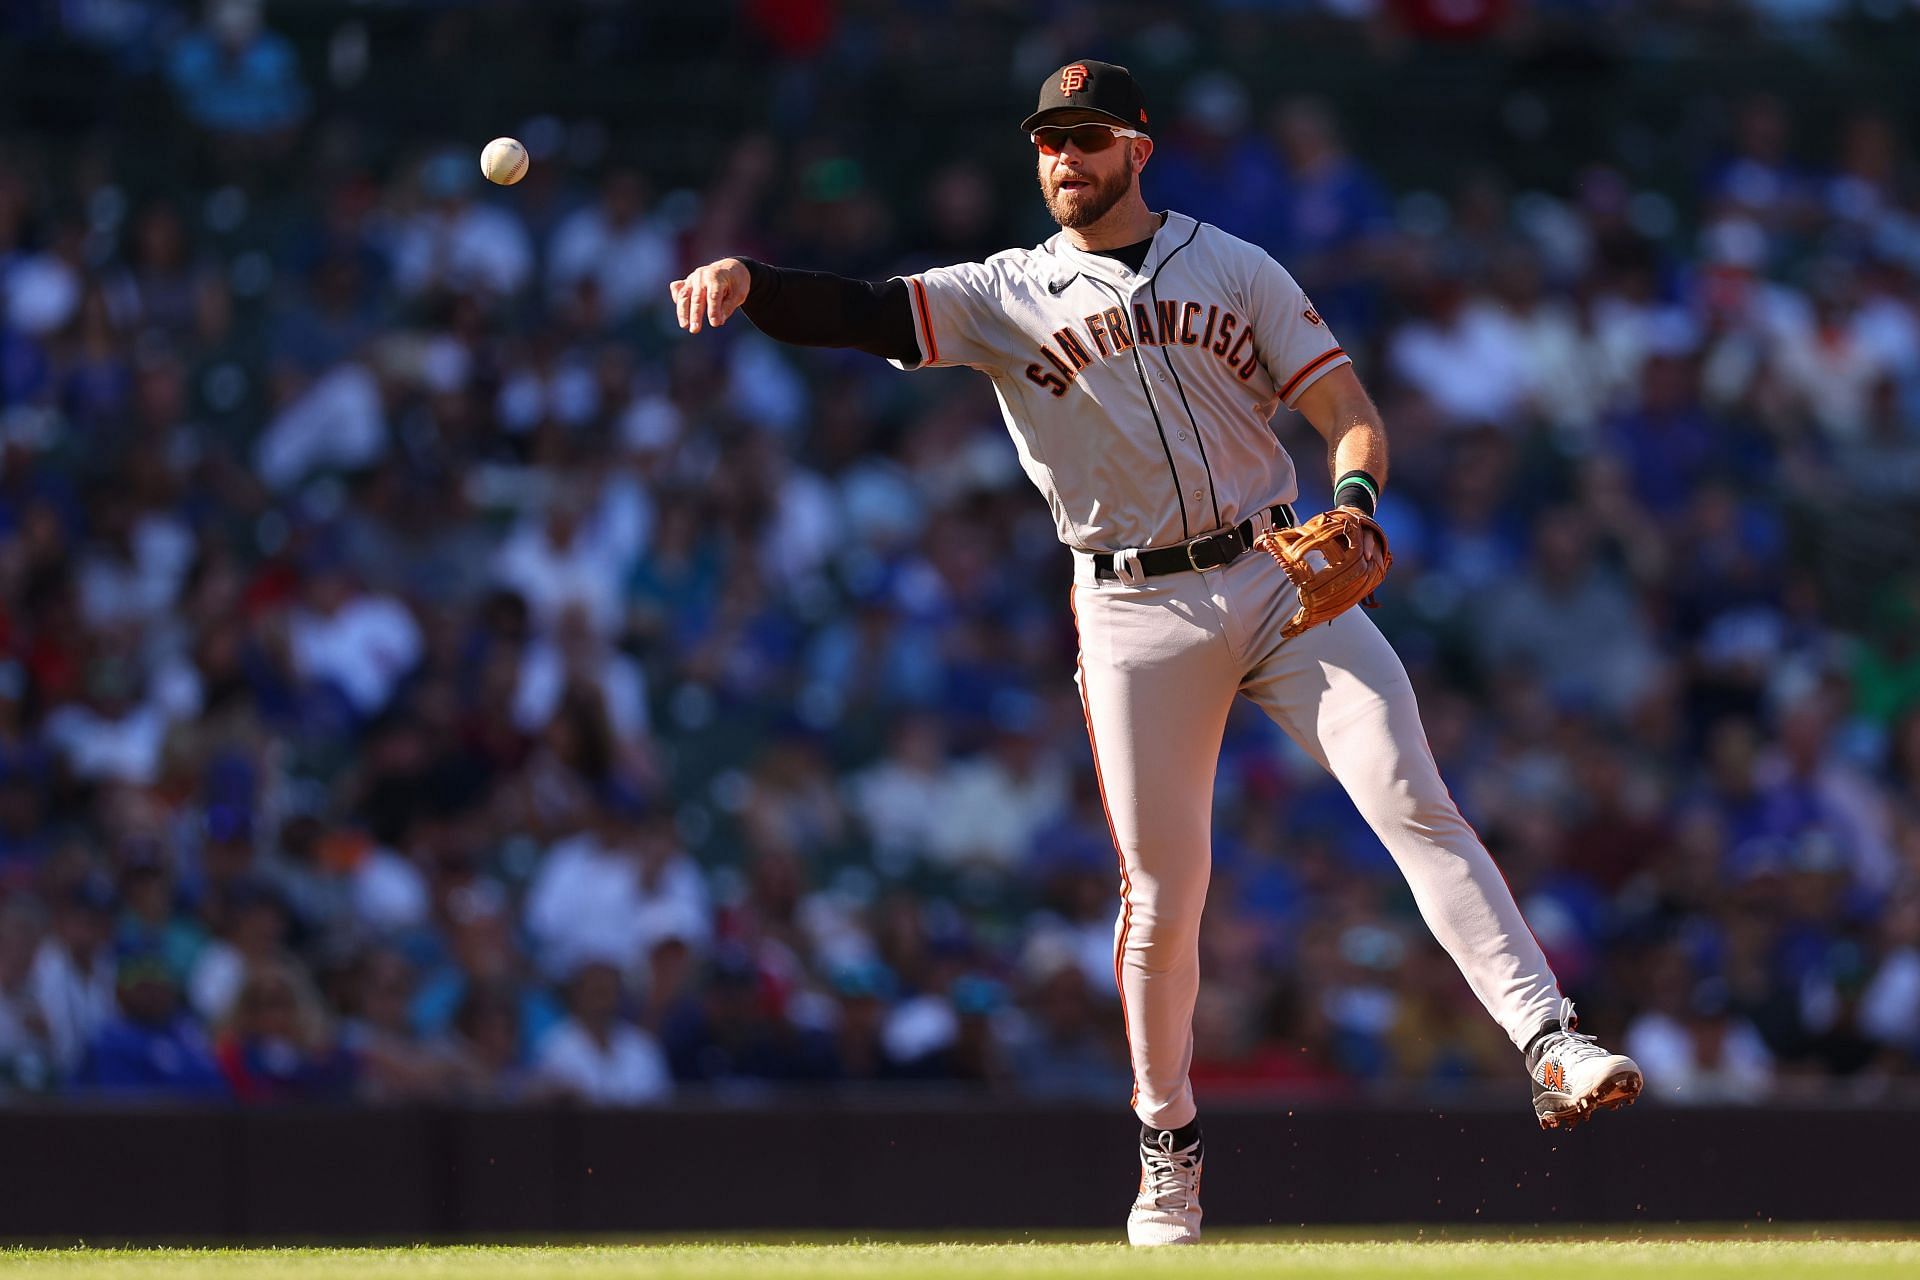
1086 90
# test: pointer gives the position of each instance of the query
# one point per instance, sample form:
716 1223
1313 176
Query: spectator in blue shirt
1213 167
1335 211
153 1047
235 77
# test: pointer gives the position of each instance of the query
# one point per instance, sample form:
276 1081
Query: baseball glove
1324 559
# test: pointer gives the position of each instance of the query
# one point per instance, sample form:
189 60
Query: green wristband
1357 489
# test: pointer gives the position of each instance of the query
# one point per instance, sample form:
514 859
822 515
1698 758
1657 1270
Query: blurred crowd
425 675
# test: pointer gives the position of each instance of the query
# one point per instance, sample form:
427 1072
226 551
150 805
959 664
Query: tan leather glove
1324 559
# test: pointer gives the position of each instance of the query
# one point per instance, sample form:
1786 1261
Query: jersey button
1183 435
1196 494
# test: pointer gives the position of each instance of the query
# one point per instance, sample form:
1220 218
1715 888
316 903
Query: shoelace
1570 1045
1171 1176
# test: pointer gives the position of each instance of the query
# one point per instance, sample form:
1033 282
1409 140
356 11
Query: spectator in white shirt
73 975
455 243
1466 355
1701 1052
1833 351
629 256
133 571
117 731
598 1056
578 553
41 292
899 798
995 803
1890 1006
616 889
576 659
361 643
334 422
24 1055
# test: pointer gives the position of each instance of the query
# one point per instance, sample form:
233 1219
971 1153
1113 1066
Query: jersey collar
1176 229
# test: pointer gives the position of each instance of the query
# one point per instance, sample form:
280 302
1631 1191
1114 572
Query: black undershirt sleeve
815 309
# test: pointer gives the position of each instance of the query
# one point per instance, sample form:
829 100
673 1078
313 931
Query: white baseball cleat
1574 1078
1167 1210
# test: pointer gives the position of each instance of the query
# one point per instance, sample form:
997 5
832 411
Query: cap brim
1074 115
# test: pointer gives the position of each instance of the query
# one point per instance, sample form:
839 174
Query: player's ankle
1183 1137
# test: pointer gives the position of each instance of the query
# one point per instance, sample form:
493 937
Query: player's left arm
1344 414
1314 376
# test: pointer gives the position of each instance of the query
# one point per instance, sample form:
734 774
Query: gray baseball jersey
1140 401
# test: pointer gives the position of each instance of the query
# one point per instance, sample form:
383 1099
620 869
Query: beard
1089 204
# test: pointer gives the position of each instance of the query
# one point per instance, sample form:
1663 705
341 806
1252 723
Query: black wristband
1357 489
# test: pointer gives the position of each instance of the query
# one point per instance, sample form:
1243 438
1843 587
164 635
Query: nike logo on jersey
1058 287
1170 323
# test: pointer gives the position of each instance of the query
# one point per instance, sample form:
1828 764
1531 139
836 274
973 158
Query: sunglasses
1086 138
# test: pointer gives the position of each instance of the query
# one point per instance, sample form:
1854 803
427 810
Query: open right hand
710 294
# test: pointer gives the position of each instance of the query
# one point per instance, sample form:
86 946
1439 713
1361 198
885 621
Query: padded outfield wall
360 1174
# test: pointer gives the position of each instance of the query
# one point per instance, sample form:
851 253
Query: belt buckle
1207 541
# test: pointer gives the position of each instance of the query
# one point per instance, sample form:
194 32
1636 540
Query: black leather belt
1209 552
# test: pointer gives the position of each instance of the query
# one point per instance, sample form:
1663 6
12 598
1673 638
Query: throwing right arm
807 308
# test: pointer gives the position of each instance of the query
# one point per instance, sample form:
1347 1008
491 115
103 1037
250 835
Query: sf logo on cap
1073 78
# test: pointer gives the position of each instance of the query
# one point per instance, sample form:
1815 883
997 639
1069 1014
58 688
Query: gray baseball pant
1160 663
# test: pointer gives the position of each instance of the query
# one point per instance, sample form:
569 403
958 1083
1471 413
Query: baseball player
1139 358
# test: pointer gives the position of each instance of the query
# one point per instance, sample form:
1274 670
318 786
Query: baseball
504 161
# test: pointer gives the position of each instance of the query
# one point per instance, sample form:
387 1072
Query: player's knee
1162 929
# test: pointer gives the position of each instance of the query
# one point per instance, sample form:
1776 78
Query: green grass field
1800 1255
